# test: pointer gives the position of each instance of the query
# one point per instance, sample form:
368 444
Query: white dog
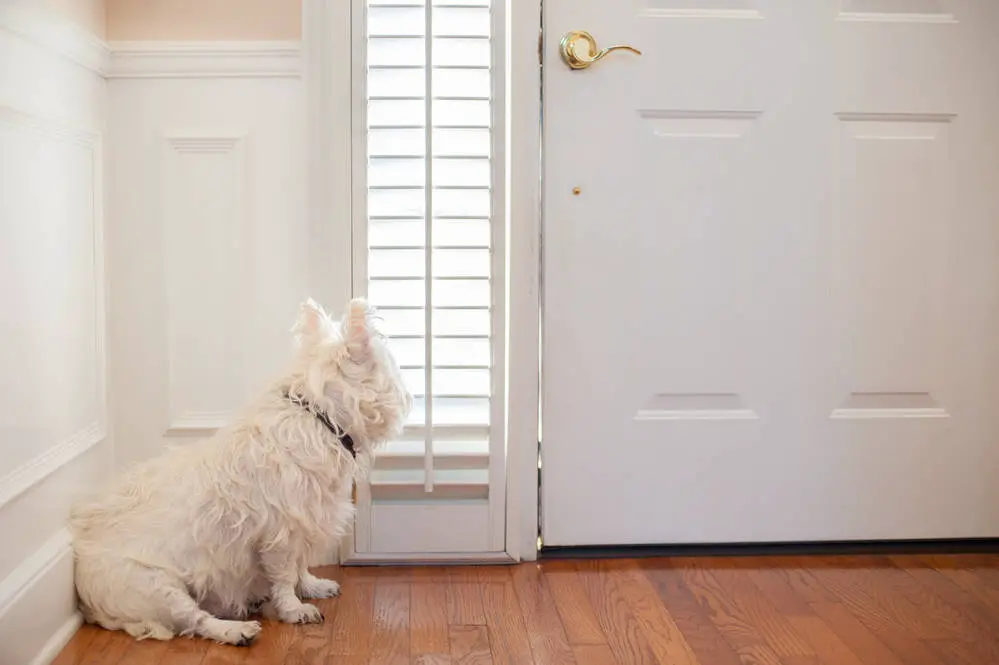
216 528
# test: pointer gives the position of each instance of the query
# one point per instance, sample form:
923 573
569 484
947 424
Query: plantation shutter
434 270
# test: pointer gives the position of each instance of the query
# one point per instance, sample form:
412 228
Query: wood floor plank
185 651
470 645
752 605
464 598
76 649
546 635
429 633
344 659
964 615
144 652
741 634
274 642
883 612
433 659
309 644
701 634
800 576
948 589
624 636
351 632
224 654
578 619
660 630
391 640
767 574
594 654
829 647
857 637
508 640
107 647
968 574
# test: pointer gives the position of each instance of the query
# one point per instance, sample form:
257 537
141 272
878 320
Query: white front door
771 306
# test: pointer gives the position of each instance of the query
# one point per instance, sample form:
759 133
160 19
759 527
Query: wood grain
145 651
464 598
390 642
352 629
429 632
75 650
546 633
581 625
869 610
624 636
106 647
508 641
470 645
700 632
660 630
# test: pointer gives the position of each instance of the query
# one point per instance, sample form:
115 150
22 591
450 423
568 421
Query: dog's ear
357 328
312 322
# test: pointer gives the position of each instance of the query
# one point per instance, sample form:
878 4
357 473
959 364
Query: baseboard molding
38 613
837 548
59 640
157 60
57 35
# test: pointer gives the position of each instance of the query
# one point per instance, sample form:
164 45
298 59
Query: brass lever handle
576 60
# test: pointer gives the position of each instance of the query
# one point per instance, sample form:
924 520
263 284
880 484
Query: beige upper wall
202 20
88 14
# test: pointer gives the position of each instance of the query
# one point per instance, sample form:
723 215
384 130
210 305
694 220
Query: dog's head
347 369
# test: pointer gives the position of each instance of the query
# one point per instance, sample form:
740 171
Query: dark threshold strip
951 546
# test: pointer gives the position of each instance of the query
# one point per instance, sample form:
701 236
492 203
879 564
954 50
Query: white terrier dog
188 541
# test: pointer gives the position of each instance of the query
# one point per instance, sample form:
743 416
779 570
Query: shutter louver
430 187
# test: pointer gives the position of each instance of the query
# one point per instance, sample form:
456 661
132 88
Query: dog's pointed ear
310 327
357 328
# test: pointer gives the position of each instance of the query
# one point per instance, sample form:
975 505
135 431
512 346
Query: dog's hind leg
185 614
142 630
157 603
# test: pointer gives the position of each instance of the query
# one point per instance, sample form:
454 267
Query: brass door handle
569 47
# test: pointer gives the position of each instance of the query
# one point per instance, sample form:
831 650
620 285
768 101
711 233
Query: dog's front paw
237 633
320 588
304 613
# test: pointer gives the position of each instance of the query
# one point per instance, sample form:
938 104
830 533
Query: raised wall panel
702 8
704 406
897 10
51 298
206 238
893 269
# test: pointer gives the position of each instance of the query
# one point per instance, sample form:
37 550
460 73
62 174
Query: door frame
525 196
327 61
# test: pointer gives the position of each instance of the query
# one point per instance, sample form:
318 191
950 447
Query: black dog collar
342 437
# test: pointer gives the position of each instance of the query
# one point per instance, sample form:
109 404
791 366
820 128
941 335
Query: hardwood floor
861 610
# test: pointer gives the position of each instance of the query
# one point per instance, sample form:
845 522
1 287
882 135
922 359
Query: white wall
54 437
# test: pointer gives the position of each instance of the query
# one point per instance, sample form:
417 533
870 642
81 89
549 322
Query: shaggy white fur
190 542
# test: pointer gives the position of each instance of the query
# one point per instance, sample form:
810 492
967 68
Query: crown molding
56 35
156 60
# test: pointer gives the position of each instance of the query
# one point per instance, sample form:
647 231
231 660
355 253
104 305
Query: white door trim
326 64
326 61
327 54
523 275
